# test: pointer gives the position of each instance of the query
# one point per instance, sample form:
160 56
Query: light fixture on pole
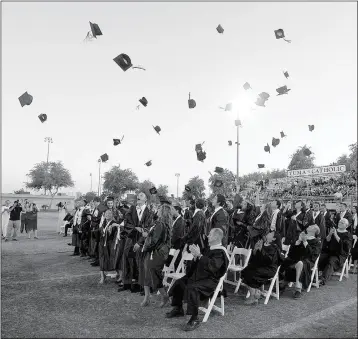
238 125
91 181
177 175
99 177
49 141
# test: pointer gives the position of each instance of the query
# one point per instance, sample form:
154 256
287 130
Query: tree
49 176
20 191
353 156
229 181
118 181
144 187
197 189
301 161
89 196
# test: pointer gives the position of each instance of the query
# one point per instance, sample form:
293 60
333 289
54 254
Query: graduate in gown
297 267
237 232
264 261
261 225
201 279
219 218
335 250
94 230
156 250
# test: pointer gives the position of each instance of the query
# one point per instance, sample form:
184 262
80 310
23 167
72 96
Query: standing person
145 219
31 220
187 215
319 219
156 249
14 221
277 221
327 219
24 215
95 234
219 219
76 235
355 219
61 215
5 216
344 214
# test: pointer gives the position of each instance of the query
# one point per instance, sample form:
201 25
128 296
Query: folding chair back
171 268
314 275
285 249
350 256
269 293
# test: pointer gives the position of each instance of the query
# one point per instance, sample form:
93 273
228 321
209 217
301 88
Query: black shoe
69 244
124 288
192 325
322 282
95 263
175 312
282 287
135 288
14 239
74 254
297 295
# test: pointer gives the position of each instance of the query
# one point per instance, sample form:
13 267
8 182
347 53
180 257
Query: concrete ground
47 293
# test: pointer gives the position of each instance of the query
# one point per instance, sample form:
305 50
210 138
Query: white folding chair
274 282
212 301
314 276
350 257
238 268
230 248
180 272
171 268
345 270
286 248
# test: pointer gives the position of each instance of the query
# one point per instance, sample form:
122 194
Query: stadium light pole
99 177
49 141
177 175
91 181
237 124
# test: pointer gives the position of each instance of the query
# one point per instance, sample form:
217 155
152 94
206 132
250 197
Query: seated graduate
301 259
335 250
261 225
265 259
201 279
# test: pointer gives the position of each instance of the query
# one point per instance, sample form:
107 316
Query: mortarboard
280 34
187 188
285 73
283 134
95 30
267 148
117 141
264 95
219 170
282 90
42 117
104 157
246 86
220 29
228 107
164 200
198 147
230 143
25 99
123 61
260 102
310 128
157 129
261 165
307 152
275 142
149 163
191 102
153 190
144 101
201 156
218 183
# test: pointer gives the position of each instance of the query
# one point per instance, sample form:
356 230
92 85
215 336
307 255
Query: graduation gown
106 246
262 266
188 218
178 230
260 227
321 223
94 229
295 227
196 233
308 255
219 219
237 231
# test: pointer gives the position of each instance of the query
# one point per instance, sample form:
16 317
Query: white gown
61 215
4 220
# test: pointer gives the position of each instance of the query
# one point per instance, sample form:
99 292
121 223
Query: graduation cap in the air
260 102
42 117
310 128
267 148
228 107
275 142
25 99
218 183
285 73
95 30
246 86
117 141
307 152
157 129
153 190
199 147
144 101
280 34
261 165
264 95
230 143
191 102
220 29
282 90
124 62
148 163
187 188
219 170
283 134
201 155
104 157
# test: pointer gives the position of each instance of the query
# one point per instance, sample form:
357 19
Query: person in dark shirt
14 221
335 250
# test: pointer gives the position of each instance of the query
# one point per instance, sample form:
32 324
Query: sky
89 100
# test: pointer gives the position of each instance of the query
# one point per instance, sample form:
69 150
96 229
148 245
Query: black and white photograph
179 169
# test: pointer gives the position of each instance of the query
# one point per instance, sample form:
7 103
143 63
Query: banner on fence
323 170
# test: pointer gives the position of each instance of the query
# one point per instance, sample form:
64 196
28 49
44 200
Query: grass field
47 293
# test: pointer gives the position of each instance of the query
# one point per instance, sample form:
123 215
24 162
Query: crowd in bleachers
146 243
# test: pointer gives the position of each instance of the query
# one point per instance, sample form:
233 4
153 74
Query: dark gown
354 250
260 228
237 232
31 221
106 248
308 255
262 266
156 249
